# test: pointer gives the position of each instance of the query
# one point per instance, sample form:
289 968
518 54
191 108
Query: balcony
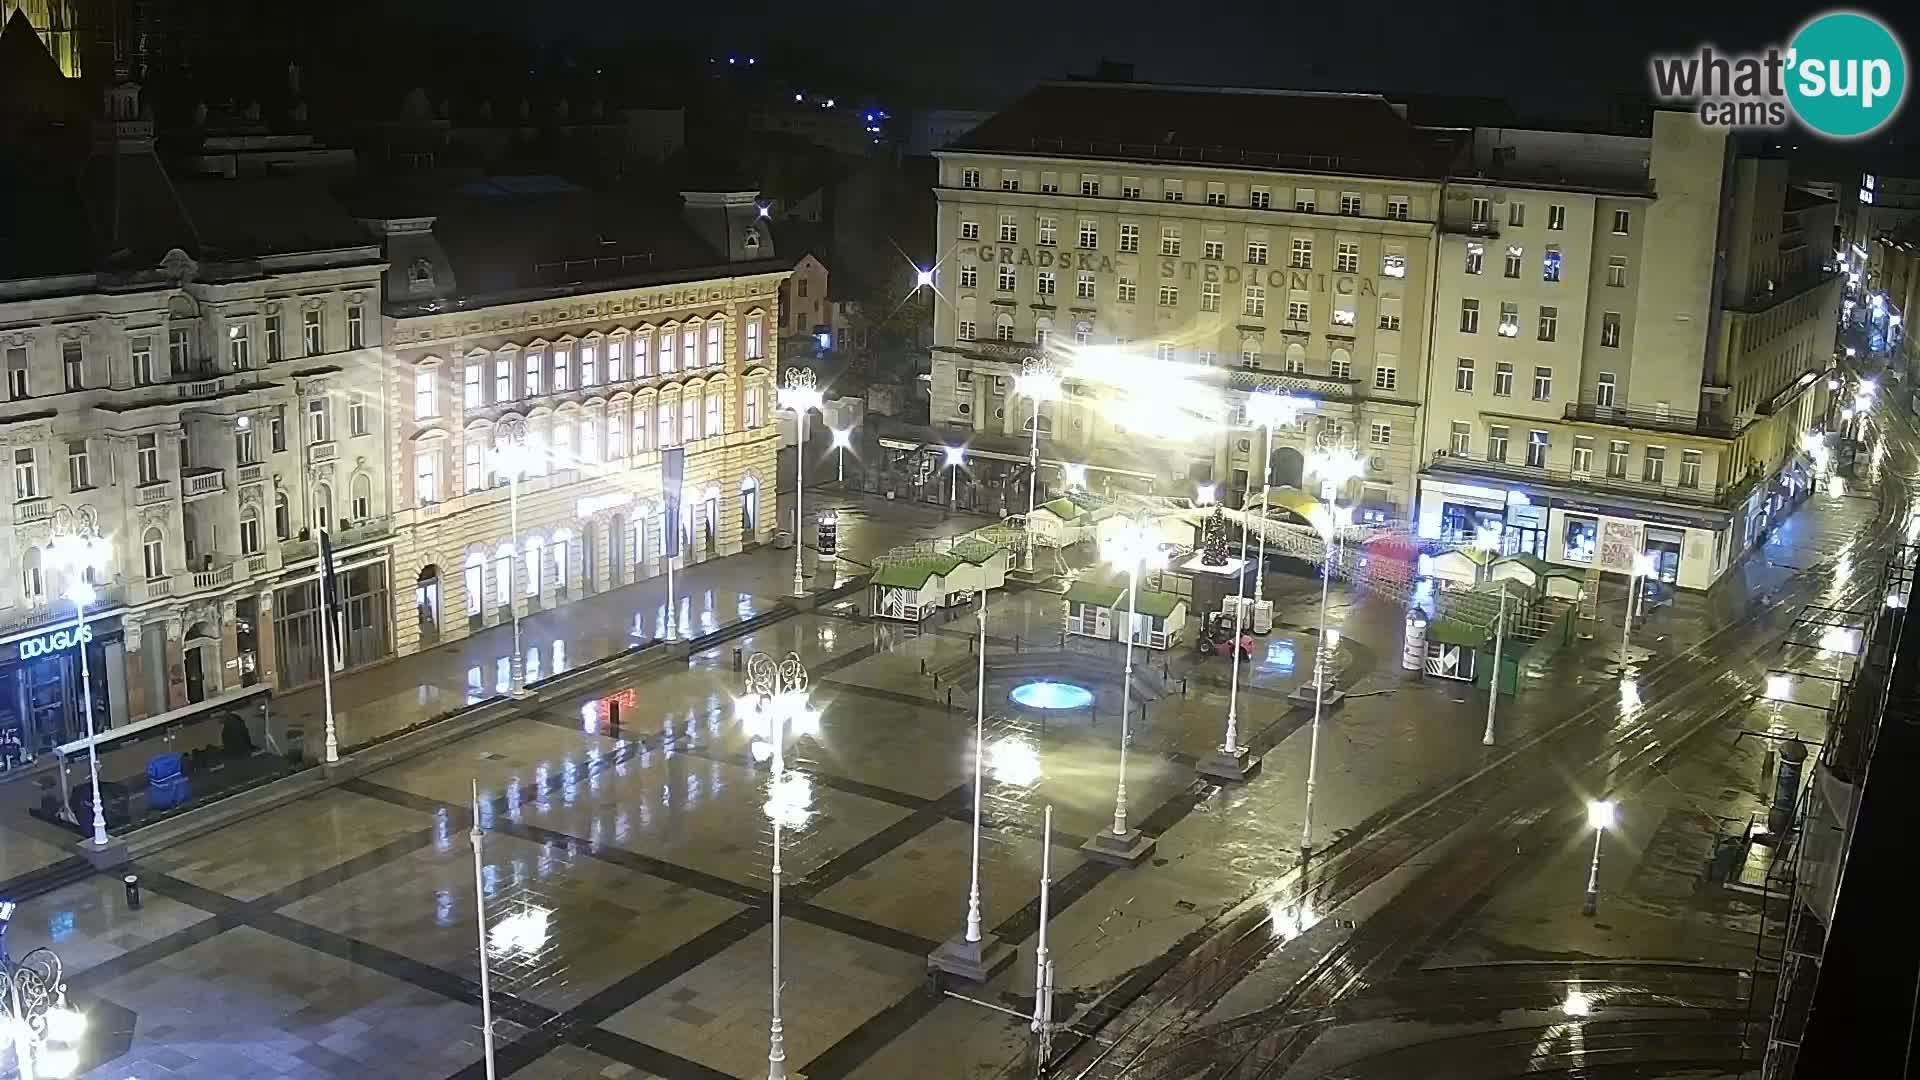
37 508
252 474
1318 387
1645 419
156 491
200 385
198 482
213 577
322 451
293 551
1721 497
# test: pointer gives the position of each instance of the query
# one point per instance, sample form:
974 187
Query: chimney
731 222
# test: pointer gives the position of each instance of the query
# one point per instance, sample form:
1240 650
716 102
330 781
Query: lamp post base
1301 697
104 858
973 961
1235 768
1129 850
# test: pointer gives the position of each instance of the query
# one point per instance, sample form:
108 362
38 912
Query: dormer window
420 274
753 240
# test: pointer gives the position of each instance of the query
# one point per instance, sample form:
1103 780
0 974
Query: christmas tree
1213 540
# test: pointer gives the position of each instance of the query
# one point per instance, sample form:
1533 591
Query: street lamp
1328 520
515 457
1232 759
969 956
1269 410
801 396
1132 547
77 557
1040 383
776 702
44 1029
1600 815
475 836
1642 567
842 438
956 457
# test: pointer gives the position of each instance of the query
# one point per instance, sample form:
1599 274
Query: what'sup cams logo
1844 75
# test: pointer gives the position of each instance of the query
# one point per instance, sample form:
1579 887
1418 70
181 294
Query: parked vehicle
1216 637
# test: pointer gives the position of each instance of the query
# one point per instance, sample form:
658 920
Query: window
1536 449
1216 194
1209 296
243 445
1582 455
474 470
503 379
970 178
1516 214
1340 366
1476 258
1496 442
1083 286
1463 375
1260 198
615 350
1556 217
473 394
1009 278
1303 200
277 428
1654 465
665 414
1174 191
969 230
1049 231
1130 188
1250 353
1253 301
17 384
1350 203
1299 311
1302 258
642 425
1003 327
1385 377
26 475
1582 537
1257 253
1389 321
1129 238
1009 229
1460 443
312 338
665 365
1170 240
1483 211
1689 468
1603 390
534 368
969 277
1342 316
72 369
1393 262
1381 435
1509 319
1089 234
153 556
79 468
1125 291
356 326
1514 255
1617 459
1621 220
716 416
1009 181
689 351
754 349
1083 333
1346 257
143 361
1214 250
273 338
1617 271
357 413
250 532
319 420
1469 316
1162 350
1043 283
426 399
426 480
716 350
1090 186
1610 329
965 331
1542 384
1550 264
1399 208
282 517
689 418
1549 323
1502 380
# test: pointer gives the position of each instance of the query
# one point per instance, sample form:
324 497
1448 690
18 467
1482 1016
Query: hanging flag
673 477
329 582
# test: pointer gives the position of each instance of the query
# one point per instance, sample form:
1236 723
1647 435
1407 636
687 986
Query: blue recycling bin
166 782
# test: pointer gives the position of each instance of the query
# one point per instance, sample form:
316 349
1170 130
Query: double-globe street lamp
515 457
42 1028
1132 547
799 394
1335 466
1040 383
1269 410
1643 567
78 556
776 705
1601 816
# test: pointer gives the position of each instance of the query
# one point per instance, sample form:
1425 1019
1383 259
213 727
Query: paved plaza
335 936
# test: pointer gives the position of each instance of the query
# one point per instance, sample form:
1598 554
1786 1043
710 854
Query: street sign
1620 541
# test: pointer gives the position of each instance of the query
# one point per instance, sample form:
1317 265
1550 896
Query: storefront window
1583 535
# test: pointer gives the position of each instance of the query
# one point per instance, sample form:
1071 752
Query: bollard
1183 686
923 665
1016 643
613 716
969 646
738 659
133 891
949 699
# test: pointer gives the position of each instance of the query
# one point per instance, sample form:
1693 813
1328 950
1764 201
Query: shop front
1686 553
362 632
1459 514
40 687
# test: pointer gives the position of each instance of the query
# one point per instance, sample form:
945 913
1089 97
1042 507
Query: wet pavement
626 869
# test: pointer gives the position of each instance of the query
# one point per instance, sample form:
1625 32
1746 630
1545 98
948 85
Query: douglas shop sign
58 641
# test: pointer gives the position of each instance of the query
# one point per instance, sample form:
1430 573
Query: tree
1213 540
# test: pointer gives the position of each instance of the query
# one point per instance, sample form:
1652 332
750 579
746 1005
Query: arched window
153 554
33 583
476 584
322 506
503 576
426 602
362 493
749 507
282 519
250 531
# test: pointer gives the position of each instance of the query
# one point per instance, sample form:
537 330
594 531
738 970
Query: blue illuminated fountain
1045 695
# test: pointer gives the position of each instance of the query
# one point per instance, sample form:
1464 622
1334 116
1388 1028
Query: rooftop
1278 129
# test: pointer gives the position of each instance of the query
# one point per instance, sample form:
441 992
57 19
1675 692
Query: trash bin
296 749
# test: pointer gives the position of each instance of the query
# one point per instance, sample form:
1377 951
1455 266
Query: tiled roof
1309 132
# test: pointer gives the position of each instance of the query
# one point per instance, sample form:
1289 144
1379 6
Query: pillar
139 698
268 657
